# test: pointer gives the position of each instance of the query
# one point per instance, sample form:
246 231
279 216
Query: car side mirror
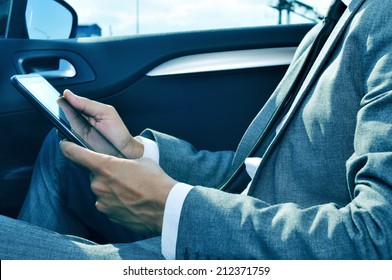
50 19
37 19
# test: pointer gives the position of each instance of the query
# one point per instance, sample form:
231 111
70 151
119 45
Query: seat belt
240 179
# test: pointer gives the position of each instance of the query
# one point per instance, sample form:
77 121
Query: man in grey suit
320 189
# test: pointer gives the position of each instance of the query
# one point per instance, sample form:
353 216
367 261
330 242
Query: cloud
202 14
173 15
105 14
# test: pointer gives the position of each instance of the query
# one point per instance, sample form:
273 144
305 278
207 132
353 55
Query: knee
56 168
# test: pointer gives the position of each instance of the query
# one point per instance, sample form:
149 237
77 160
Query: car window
133 17
4 12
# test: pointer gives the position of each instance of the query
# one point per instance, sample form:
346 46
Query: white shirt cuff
171 219
251 164
151 149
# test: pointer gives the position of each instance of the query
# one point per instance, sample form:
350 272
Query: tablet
68 121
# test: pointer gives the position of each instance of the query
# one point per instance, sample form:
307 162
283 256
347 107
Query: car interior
201 86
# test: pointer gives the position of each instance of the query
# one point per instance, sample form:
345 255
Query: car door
201 86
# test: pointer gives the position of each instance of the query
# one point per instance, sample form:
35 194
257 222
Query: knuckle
104 167
101 207
96 186
109 108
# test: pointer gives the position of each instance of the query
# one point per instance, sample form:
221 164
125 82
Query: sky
119 17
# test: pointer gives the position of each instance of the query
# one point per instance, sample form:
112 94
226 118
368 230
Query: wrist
134 148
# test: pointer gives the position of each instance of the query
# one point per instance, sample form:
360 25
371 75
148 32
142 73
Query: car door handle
60 66
65 70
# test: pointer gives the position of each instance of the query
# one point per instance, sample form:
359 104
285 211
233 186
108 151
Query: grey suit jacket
324 188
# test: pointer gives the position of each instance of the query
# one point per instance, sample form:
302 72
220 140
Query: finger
70 114
78 122
82 156
86 106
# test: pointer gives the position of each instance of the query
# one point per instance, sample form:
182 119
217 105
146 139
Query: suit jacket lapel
323 57
314 72
261 121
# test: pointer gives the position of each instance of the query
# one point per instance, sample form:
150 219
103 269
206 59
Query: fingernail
62 143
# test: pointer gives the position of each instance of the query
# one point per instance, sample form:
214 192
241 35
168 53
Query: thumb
82 156
76 101
84 105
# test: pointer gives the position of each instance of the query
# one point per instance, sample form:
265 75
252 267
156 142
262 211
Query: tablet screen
67 120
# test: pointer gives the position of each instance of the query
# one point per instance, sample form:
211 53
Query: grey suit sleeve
217 225
186 164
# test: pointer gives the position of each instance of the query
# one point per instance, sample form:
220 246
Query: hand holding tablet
68 120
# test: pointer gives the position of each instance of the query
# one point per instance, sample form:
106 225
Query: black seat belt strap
238 181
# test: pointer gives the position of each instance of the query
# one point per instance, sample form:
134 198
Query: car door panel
210 108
